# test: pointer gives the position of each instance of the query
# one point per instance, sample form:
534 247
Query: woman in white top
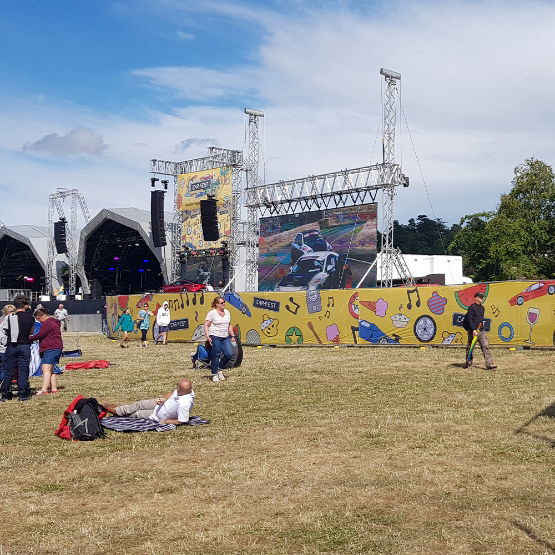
218 332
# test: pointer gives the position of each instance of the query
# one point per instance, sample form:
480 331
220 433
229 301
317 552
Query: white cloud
193 145
476 85
80 140
185 36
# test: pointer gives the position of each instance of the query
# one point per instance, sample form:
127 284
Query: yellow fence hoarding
516 313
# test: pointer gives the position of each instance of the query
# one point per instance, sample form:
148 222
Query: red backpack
64 430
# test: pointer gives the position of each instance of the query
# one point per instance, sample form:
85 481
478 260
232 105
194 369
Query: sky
91 90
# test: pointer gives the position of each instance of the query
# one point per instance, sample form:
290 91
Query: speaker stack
157 218
60 236
209 220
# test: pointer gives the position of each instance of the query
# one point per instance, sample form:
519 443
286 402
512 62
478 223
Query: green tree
518 240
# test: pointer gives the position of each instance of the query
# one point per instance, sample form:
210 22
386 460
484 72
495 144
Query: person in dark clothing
473 324
18 328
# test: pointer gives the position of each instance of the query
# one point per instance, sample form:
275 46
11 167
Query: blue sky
92 90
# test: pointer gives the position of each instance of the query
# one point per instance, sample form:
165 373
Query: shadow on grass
533 536
549 412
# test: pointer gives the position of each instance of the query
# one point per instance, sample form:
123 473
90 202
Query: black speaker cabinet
209 220
157 218
60 237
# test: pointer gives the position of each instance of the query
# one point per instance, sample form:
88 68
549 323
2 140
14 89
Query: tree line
515 241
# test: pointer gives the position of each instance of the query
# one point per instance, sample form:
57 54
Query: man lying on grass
173 408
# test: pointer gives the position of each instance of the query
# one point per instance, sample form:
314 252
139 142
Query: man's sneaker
215 378
491 367
221 376
23 398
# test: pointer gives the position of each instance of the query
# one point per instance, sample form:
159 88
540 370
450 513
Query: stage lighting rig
153 181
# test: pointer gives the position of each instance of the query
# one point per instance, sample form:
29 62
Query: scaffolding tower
56 206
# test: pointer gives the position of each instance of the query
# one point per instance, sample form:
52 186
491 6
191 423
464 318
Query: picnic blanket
87 364
128 424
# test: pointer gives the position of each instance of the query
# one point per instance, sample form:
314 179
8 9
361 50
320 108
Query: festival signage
196 186
517 315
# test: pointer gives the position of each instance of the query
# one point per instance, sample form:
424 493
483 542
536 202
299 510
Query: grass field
309 450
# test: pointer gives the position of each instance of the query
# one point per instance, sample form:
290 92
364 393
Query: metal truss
252 230
217 157
330 190
390 256
56 205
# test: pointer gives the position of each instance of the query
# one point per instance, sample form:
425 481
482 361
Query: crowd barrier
516 314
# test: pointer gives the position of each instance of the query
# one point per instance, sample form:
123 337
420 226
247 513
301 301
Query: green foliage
518 240
422 236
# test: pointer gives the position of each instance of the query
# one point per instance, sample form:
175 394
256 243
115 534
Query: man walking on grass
61 314
473 324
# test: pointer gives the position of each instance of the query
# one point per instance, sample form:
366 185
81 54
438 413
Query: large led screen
324 249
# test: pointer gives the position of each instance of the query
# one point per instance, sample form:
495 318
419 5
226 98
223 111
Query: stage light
153 181
111 269
27 278
140 270
146 261
165 183
137 244
116 257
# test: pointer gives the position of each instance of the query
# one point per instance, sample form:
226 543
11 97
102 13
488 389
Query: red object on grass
88 364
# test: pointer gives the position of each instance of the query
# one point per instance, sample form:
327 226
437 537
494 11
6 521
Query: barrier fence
516 314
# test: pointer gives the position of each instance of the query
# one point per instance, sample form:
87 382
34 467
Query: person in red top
50 349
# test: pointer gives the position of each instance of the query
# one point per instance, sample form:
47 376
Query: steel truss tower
56 205
331 190
253 180
390 256
217 157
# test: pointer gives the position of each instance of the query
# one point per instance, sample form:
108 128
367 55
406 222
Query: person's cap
481 295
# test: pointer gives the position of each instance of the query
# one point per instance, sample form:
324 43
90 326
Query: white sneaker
215 378
221 376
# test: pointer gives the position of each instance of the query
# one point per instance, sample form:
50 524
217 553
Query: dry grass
310 450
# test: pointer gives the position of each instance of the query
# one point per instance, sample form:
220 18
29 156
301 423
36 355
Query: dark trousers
220 345
17 359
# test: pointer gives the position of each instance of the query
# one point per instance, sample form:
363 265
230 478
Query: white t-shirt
177 407
219 324
60 314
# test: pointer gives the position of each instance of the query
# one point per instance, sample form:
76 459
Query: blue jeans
17 359
219 345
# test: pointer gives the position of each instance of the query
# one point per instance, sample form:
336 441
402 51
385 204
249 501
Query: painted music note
495 311
187 297
196 315
311 328
202 297
354 330
181 295
297 306
412 292
331 302
194 299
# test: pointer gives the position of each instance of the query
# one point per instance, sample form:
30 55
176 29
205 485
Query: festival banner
196 186
516 314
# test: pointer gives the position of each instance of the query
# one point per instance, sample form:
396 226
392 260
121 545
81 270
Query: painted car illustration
535 290
306 242
182 285
318 270
371 333
235 300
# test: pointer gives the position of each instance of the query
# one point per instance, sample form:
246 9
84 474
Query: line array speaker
209 220
60 236
157 218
